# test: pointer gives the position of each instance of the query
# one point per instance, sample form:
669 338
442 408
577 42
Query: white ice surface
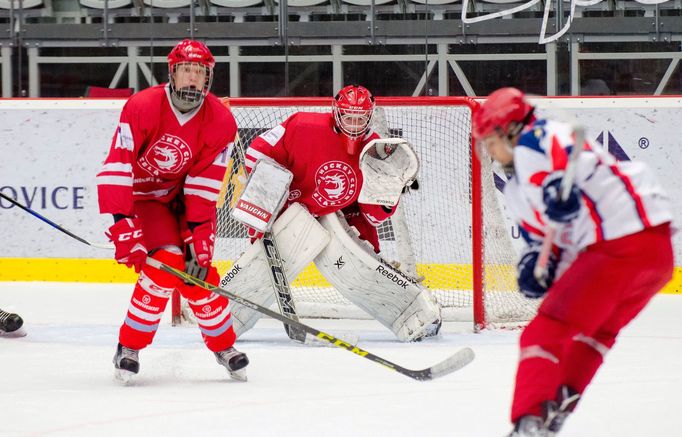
58 380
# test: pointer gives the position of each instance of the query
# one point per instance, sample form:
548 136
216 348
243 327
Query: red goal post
452 231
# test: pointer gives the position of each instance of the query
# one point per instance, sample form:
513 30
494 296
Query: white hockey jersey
618 198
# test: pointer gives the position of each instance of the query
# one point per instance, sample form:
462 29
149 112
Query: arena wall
53 148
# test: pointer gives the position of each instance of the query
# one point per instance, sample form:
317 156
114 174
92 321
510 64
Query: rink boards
52 150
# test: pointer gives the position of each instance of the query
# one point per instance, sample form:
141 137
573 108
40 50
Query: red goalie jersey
326 178
159 153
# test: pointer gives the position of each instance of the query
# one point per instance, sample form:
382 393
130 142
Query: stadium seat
503 2
236 3
167 4
96 91
435 2
26 4
367 2
303 3
99 4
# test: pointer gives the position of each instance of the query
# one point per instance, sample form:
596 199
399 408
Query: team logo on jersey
294 194
169 155
336 184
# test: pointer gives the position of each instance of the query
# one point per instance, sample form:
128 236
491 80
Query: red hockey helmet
506 110
192 59
353 108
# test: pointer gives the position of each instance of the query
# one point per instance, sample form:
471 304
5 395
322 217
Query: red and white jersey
618 198
160 153
326 178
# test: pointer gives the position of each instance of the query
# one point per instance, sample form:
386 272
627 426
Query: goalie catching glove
388 165
126 234
199 245
529 285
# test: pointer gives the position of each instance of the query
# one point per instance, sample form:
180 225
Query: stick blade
451 364
295 333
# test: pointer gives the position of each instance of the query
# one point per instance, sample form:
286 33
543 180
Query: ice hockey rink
58 380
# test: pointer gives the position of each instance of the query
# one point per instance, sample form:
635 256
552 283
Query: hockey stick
56 226
564 191
281 285
455 362
278 278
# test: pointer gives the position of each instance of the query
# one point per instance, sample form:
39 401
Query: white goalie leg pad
362 277
300 238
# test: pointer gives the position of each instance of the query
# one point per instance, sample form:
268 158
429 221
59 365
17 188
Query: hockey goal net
451 231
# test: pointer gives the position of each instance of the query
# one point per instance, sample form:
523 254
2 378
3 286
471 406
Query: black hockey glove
530 286
557 210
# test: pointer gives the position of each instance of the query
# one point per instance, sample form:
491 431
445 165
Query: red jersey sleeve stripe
596 217
629 187
558 154
531 229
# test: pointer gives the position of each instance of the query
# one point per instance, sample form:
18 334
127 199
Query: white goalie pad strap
299 237
264 195
363 278
387 165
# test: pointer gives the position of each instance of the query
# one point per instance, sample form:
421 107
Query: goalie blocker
392 298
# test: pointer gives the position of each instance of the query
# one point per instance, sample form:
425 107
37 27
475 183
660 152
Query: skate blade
238 375
123 376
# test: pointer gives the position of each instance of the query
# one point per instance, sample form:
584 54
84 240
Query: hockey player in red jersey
322 151
612 252
160 182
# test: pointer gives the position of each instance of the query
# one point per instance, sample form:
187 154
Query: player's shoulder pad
533 136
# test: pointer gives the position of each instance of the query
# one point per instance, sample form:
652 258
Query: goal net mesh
430 235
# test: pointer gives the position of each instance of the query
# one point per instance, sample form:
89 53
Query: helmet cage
353 122
189 94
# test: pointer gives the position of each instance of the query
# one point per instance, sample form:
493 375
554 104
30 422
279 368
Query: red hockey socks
150 296
210 310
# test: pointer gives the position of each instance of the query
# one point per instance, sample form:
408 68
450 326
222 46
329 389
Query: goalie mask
353 108
190 73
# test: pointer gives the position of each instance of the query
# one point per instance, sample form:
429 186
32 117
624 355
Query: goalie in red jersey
160 182
344 182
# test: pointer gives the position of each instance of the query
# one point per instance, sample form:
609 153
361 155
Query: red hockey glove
126 234
199 250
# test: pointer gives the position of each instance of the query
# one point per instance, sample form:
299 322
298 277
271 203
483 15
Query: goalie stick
564 191
281 286
455 362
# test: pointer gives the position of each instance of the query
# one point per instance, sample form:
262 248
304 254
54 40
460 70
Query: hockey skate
234 361
126 363
10 325
530 426
556 412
